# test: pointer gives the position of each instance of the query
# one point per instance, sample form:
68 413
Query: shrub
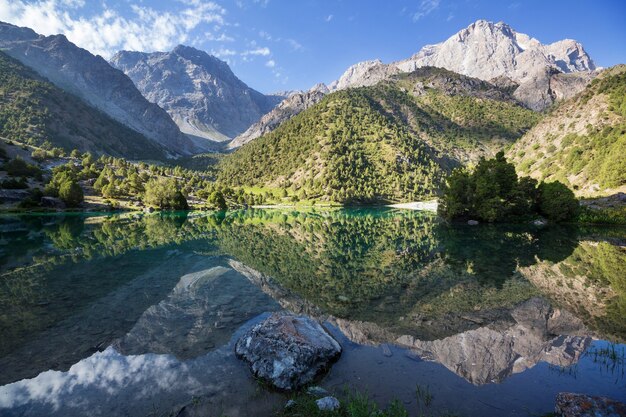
14 184
71 193
34 200
19 168
216 200
494 193
39 155
557 202
165 194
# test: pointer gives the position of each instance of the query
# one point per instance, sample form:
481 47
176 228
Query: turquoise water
137 314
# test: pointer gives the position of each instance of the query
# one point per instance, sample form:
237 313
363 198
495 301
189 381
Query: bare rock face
199 91
287 350
90 77
488 50
492 353
581 405
288 108
497 53
364 74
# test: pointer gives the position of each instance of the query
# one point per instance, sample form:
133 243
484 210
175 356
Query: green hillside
582 143
391 142
35 112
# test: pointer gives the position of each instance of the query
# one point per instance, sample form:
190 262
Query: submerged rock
328 404
287 350
581 405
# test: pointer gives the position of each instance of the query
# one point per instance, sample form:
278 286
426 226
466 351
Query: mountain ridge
33 111
544 75
199 91
393 141
91 78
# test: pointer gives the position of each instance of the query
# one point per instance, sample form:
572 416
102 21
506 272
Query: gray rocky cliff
90 77
199 91
488 50
286 109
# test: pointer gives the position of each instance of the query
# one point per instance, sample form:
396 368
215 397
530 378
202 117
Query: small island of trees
492 192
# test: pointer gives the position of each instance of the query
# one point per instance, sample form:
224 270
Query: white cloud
425 8
264 51
218 38
223 52
295 45
107 32
329 18
271 63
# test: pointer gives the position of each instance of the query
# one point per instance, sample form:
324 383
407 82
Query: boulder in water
288 351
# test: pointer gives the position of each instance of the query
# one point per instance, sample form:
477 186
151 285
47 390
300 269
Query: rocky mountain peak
205 60
91 78
364 74
488 50
12 33
199 91
320 87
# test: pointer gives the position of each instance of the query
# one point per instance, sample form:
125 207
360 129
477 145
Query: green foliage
217 200
33 200
492 193
355 404
35 112
71 193
17 167
594 156
557 202
342 149
376 144
165 193
64 184
602 216
14 184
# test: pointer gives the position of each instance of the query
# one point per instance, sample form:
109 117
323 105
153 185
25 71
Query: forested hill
35 112
394 141
582 142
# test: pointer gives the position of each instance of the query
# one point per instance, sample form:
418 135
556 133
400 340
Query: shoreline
430 205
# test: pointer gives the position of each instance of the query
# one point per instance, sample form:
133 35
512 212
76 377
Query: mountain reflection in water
148 305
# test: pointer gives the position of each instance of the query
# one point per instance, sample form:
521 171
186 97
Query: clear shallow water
137 314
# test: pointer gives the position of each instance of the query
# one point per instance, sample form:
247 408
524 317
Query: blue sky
293 44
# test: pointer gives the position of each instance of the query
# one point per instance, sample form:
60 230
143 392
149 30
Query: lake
137 314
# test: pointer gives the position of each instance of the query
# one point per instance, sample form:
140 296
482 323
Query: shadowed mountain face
199 91
41 113
91 78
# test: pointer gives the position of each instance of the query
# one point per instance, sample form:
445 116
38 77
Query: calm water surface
137 315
